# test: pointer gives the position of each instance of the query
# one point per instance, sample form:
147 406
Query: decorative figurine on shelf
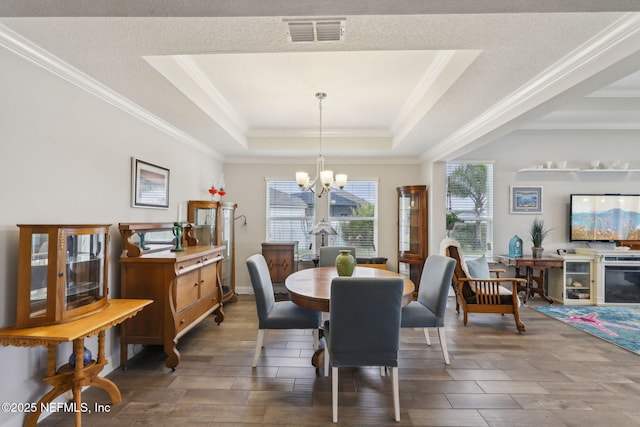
86 358
178 230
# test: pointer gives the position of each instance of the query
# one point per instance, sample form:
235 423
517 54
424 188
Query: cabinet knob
182 322
195 284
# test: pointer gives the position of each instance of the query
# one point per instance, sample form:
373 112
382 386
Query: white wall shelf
608 170
546 170
557 170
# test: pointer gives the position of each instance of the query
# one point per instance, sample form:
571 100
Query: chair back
328 254
365 321
453 251
434 284
262 286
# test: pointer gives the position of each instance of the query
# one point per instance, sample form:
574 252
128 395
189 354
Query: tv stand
614 276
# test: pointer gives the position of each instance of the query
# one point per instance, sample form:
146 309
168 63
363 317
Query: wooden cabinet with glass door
412 231
62 272
213 224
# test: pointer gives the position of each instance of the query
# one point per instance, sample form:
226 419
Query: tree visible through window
470 206
353 213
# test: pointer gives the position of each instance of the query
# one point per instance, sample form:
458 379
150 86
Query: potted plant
537 233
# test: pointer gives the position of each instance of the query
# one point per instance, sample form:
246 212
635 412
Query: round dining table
311 288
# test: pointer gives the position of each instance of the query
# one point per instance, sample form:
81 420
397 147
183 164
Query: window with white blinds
353 213
290 214
470 206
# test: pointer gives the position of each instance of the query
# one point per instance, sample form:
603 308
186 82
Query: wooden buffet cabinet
184 286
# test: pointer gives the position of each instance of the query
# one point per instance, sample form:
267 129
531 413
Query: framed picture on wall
526 200
149 185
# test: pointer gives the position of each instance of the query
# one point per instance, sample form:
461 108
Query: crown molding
589 58
279 160
26 49
209 99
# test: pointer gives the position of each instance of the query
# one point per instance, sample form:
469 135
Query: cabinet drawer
185 266
186 317
208 279
186 289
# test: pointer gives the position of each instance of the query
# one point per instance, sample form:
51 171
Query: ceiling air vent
325 30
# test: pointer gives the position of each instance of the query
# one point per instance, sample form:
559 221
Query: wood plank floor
553 375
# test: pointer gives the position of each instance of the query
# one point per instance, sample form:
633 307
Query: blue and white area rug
618 325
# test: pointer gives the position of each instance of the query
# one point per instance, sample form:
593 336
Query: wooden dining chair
364 328
430 308
276 315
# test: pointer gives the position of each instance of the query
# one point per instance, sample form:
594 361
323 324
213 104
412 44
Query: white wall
65 157
246 186
525 149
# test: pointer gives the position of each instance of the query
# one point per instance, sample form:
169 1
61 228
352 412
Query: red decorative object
212 191
221 192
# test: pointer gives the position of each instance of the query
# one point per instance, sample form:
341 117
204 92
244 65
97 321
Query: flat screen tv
604 217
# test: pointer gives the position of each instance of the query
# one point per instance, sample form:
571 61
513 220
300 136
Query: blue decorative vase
345 263
86 359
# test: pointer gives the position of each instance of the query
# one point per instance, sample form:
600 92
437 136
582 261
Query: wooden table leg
539 289
66 379
32 417
78 378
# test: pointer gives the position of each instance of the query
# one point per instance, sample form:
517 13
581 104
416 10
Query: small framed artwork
526 200
149 185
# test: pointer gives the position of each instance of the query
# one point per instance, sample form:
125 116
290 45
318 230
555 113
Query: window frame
307 219
488 212
338 221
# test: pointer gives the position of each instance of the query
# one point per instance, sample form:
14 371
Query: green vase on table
345 263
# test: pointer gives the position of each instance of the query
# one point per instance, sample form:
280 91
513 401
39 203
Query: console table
534 284
67 378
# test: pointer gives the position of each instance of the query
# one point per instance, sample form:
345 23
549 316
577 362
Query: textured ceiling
408 81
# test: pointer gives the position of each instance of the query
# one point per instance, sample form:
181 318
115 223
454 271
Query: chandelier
324 181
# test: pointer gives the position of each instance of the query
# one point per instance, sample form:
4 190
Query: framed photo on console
526 200
149 185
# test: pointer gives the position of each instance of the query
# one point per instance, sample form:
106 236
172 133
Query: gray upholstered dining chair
364 328
328 254
429 310
276 315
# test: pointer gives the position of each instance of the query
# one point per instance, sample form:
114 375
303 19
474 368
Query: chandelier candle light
326 176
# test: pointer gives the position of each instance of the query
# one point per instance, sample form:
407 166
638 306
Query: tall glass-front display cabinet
213 225
412 231
62 272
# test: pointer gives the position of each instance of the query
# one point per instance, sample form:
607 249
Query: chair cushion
478 268
416 315
288 315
